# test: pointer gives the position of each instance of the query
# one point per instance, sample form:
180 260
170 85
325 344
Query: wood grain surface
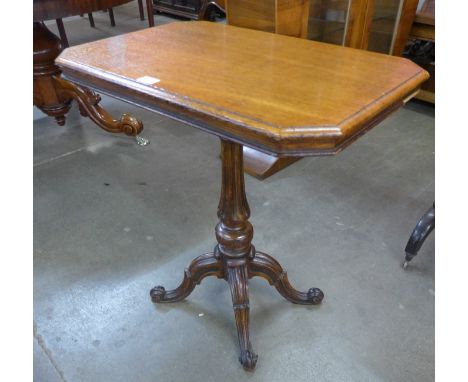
282 95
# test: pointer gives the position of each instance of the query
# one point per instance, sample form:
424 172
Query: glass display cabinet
363 24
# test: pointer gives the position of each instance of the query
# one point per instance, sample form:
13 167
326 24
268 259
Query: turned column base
237 272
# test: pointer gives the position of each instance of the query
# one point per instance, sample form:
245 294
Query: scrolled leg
201 267
88 102
267 267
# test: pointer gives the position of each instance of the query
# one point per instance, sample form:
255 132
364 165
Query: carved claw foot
201 267
248 360
157 294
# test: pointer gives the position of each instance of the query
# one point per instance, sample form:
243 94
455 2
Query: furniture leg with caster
422 230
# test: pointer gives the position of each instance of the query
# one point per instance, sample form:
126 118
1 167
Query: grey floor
112 219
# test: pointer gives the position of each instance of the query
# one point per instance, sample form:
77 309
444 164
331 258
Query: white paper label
148 80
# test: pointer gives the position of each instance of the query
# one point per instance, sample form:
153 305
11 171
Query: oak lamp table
281 95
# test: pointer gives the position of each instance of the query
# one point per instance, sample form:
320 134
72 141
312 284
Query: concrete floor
112 219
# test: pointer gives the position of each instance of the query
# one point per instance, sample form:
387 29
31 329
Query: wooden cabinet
362 24
416 40
288 17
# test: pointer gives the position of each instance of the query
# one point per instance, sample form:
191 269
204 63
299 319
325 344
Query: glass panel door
382 29
327 20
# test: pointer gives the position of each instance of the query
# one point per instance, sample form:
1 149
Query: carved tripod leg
267 267
234 234
237 277
201 267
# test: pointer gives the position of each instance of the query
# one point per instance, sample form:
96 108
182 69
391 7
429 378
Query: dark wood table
51 93
281 95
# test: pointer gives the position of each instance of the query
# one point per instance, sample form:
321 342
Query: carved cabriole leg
267 267
201 267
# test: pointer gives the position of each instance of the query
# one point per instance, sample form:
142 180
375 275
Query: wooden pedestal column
235 258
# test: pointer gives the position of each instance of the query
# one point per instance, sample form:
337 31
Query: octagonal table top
282 95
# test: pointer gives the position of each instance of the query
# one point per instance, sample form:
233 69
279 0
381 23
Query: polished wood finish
279 16
234 258
426 14
360 17
419 25
88 102
262 166
47 47
404 26
275 93
292 17
285 17
54 96
423 31
286 96
258 15
415 24
288 17
51 93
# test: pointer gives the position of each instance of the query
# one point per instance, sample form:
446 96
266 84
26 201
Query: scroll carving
88 102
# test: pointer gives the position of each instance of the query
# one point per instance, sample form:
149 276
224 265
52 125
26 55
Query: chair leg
140 9
111 16
419 235
63 34
149 8
91 20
